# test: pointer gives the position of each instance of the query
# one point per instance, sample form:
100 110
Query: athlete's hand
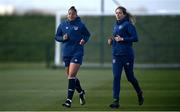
109 41
118 38
82 42
65 37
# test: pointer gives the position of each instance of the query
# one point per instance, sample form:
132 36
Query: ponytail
128 15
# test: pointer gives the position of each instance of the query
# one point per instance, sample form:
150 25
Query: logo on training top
75 27
114 61
120 26
67 28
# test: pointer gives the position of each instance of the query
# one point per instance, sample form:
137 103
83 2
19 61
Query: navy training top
125 29
76 31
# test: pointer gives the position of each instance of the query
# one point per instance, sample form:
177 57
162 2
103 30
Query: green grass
34 88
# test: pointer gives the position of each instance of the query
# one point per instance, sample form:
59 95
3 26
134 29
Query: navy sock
71 88
78 86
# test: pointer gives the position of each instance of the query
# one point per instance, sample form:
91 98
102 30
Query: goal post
57 55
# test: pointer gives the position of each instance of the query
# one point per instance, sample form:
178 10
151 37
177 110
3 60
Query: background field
32 87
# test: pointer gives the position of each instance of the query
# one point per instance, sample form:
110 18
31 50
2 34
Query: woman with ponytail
124 34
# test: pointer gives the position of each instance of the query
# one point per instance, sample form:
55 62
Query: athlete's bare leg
72 70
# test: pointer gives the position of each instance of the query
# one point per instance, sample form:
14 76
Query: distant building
7 9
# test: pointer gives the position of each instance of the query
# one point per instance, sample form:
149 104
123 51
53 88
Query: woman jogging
124 34
73 34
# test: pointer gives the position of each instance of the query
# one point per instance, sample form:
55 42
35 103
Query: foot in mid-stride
140 98
67 103
82 97
115 104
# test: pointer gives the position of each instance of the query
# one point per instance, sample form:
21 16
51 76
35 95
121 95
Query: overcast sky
94 5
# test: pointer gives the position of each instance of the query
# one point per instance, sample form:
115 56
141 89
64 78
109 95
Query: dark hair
129 15
72 8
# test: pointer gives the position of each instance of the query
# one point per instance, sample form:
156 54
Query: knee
71 75
116 76
131 79
116 79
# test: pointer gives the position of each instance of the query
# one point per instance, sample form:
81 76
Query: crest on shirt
67 28
120 26
114 60
75 27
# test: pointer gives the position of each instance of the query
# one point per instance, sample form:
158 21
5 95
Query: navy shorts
72 59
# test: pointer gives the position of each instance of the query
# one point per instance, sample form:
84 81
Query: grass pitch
34 88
